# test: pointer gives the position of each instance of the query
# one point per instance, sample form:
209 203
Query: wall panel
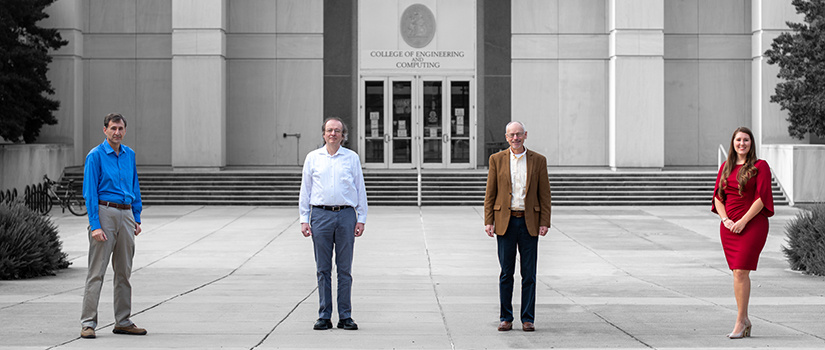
252 16
536 103
299 104
535 16
251 112
681 112
582 16
582 124
110 89
153 112
299 16
112 16
153 16
724 107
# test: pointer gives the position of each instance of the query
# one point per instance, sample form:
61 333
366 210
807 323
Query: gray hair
514 122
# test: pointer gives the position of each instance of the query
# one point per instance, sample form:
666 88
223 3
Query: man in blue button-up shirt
112 193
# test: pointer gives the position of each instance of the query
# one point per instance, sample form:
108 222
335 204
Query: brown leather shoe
505 326
528 327
130 330
88 333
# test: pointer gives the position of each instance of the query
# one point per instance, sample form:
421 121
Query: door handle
445 138
386 138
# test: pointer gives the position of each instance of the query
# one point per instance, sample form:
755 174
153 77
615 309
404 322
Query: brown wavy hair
746 172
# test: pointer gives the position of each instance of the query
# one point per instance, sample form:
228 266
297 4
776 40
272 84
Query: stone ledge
798 169
25 164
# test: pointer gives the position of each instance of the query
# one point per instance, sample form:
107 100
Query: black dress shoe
322 324
347 324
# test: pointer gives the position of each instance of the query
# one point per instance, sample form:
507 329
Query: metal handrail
721 155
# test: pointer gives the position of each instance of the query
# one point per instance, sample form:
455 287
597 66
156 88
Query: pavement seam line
597 315
203 285
664 247
285 317
584 306
198 240
432 280
104 281
619 328
154 229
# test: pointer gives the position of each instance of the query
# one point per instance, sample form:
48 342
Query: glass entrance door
460 142
431 125
412 121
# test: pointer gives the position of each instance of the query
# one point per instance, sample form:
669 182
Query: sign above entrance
416 59
417 26
406 37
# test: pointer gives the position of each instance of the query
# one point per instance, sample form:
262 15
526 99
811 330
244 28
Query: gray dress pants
119 226
334 231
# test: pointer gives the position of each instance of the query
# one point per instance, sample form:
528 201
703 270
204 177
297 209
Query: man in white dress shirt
333 210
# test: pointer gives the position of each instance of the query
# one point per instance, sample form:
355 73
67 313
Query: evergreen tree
800 56
24 60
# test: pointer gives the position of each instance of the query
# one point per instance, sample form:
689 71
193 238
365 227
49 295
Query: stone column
768 21
199 83
66 75
636 84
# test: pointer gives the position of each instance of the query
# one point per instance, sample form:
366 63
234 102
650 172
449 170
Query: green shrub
806 241
29 246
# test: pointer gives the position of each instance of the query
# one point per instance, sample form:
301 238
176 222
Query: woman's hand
728 224
737 227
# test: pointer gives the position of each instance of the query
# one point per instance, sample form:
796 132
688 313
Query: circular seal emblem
417 26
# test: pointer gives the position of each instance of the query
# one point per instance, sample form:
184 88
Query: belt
332 207
517 213
114 205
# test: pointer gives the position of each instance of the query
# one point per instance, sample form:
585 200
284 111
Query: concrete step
437 188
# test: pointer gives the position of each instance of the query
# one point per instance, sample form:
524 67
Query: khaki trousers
119 227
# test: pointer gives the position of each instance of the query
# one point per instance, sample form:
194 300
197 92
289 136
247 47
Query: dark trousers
334 231
517 238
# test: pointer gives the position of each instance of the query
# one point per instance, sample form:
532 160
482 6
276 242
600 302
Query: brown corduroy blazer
497 197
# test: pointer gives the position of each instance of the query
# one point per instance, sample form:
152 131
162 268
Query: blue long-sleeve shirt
110 177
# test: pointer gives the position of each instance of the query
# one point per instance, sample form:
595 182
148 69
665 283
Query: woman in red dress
744 200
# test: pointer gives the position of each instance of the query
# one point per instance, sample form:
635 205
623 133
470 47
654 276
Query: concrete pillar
768 21
199 83
636 84
66 75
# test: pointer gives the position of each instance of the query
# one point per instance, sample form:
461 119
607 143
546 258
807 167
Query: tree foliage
24 60
800 55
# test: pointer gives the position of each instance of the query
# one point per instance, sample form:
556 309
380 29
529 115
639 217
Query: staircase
460 187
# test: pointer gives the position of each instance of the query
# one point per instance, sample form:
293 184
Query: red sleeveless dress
742 250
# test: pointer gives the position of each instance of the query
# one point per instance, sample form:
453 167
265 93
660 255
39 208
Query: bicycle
70 199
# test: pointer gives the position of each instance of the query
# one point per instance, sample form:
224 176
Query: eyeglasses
330 131
512 135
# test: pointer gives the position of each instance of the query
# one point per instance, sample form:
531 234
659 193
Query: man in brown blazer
517 212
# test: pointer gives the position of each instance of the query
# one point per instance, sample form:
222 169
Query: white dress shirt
332 179
518 179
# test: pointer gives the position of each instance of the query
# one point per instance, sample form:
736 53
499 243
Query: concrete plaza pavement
243 278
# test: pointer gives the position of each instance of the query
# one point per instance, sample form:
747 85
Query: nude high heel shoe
745 333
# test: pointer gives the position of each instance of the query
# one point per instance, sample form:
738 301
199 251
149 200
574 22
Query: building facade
620 84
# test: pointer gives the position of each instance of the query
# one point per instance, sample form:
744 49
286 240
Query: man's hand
359 229
99 235
543 230
490 229
138 230
305 229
